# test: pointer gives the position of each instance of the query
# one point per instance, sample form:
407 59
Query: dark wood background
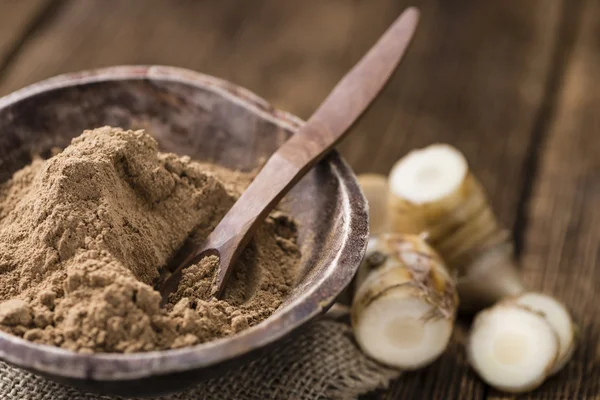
514 84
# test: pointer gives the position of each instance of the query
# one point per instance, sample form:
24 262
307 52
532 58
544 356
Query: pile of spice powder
86 236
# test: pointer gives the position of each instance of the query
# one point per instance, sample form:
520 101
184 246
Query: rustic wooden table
513 84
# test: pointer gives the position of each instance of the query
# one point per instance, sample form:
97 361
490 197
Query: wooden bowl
207 119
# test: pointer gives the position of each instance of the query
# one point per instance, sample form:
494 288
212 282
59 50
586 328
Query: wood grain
289 52
476 78
17 19
562 242
479 75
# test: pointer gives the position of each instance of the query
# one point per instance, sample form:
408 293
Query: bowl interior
210 120
186 120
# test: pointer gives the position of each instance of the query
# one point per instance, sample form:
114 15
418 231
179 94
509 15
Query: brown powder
86 236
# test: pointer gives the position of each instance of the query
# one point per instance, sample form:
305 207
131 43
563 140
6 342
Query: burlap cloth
323 362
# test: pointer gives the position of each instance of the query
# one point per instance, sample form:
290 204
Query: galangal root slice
516 344
491 276
405 305
432 191
375 189
512 348
559 319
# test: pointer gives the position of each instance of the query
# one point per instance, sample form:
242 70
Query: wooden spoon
325 128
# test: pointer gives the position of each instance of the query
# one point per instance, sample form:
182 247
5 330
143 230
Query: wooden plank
475 73
289 52
475 77
561 253
16 19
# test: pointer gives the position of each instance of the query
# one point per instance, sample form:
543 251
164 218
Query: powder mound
86 235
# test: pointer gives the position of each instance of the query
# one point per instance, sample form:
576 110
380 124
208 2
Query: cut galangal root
559 319
405 305
375 189
433 191
491 276
515 345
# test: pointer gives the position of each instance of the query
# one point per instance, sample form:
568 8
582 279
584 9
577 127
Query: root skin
376 191
462 227
492 277
403 278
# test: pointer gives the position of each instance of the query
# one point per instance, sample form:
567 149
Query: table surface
510 83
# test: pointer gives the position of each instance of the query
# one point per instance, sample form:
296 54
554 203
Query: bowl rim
64 363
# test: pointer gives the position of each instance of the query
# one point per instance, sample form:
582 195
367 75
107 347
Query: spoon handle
324 129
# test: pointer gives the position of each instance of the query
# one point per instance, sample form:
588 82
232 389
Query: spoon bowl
210 120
